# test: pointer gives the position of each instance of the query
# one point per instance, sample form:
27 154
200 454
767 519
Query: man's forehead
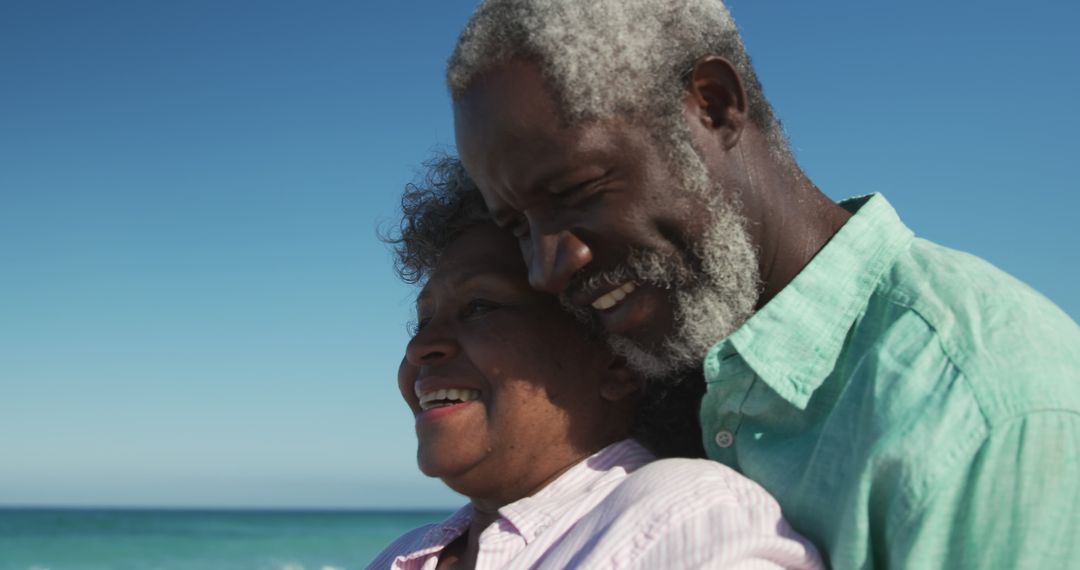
505 124
516 146
512 93
540 158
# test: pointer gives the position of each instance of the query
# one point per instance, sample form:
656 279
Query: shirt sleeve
1015 505
698 514
728 537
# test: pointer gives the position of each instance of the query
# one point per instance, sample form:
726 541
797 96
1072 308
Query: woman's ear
619 382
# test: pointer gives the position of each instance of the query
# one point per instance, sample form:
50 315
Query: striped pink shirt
622 509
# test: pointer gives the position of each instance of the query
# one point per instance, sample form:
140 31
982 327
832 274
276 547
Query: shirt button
724 439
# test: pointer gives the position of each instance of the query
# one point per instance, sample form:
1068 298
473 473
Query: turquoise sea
145 539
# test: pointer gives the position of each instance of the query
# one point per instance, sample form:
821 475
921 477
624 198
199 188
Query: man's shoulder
957 289
1017 351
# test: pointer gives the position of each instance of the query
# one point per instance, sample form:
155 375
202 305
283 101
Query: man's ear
715 97
619 382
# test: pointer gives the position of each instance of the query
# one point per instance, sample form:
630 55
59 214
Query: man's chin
667 345
645 316
653 362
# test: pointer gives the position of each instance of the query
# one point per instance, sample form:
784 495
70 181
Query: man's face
651 253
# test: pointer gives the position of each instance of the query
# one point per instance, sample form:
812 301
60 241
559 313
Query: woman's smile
438 403
442 410
445 398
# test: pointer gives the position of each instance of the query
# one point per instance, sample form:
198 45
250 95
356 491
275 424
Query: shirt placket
729 381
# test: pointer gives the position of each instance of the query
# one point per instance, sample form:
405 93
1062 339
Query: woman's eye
520 228
478 307
416 326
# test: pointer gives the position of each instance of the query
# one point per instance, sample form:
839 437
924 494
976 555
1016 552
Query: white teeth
611 298
439 398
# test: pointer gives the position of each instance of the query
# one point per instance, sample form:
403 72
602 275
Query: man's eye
580 191
571 191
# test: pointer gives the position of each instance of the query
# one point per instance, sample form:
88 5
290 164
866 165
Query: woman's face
508 390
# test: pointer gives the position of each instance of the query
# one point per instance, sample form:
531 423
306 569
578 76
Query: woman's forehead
478 252
482 246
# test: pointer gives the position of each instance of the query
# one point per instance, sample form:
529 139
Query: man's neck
791 221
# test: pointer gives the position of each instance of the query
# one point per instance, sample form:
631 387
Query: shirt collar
439 536
532 515
793 342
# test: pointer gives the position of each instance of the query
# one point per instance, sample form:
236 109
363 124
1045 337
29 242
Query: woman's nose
432 343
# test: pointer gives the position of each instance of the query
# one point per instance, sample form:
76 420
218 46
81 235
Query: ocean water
85 539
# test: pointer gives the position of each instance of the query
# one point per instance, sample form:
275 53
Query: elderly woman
530 416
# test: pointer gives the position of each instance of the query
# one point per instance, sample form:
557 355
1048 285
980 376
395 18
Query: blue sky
194 307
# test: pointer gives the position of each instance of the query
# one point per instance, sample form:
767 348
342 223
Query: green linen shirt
908 405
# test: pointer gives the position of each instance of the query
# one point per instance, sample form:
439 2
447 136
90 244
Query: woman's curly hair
433 213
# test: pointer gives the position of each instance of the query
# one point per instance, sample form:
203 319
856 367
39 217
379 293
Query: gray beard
711 298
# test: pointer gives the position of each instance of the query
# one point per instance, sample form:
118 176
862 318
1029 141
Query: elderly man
910 406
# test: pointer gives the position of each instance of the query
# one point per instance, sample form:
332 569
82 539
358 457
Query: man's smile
614 296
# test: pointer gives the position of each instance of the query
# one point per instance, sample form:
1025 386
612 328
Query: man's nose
554 258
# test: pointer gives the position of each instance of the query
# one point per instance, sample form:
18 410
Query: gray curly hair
605 58
434 212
